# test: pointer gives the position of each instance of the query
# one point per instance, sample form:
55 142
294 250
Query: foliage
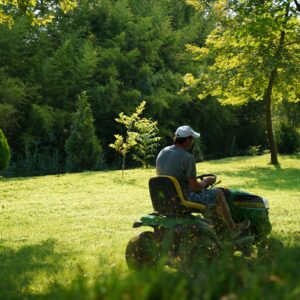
123 145
147 141
287 112
288 138
46 256
252 54
254 150
224 277
7 113
35 162
120 52
82 146
40 12
198 152
141 135
251 129
218 125
4 152
12 98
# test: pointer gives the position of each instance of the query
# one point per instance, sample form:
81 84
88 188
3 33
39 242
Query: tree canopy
39 11
124 51
252 54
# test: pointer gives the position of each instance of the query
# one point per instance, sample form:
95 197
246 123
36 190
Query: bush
254 150
288 139
4 152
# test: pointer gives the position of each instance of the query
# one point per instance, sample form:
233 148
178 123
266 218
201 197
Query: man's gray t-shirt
174 161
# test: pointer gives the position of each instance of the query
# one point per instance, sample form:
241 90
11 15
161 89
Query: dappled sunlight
54 228
255 172
281 179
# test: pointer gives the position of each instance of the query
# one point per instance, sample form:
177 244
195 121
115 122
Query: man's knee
220 198
220 194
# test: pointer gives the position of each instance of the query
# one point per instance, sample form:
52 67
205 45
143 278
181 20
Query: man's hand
197 186
208 181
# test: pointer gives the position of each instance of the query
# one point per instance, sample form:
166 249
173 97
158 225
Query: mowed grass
53 228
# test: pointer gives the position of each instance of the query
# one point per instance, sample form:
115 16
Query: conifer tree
82 147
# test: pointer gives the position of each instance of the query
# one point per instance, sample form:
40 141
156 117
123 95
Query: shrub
4 152
254 150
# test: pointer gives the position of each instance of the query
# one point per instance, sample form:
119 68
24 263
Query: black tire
142 251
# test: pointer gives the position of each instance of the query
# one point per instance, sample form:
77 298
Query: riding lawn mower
182 230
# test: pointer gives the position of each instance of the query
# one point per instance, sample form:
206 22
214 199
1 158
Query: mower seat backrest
167 197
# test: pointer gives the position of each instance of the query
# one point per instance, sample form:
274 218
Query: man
176 161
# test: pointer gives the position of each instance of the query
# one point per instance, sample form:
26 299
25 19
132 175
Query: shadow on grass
273 274
20 267
281 179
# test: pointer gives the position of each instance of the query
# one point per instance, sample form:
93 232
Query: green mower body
174 222
244 205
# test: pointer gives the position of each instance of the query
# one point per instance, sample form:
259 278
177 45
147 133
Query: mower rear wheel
142 251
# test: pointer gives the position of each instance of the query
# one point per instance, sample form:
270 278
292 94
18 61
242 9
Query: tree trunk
123 165
267 101
269 89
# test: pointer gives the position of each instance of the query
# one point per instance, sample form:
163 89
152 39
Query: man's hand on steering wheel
208 181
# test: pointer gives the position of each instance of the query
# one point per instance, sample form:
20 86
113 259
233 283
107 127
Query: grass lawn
54 229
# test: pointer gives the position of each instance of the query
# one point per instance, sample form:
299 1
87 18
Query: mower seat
167 197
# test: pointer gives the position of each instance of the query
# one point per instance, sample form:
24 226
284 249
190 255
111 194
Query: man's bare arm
197 186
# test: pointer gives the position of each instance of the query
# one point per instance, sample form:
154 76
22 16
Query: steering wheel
201 177
206 175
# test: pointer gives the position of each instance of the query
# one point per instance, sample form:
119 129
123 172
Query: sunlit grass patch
56 228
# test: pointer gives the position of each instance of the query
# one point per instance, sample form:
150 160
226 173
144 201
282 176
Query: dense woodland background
119 52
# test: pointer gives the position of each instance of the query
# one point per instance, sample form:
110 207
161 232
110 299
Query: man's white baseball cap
186 131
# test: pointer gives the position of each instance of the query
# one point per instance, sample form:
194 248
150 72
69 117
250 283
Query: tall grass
64 237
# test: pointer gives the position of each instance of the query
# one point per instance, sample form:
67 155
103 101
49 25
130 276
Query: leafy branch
141 135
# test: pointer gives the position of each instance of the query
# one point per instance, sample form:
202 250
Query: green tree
253 54
82 146
118 51
141 136
4 152
147 140
123 144
141 55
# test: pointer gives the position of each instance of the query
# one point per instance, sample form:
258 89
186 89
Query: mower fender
137 224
